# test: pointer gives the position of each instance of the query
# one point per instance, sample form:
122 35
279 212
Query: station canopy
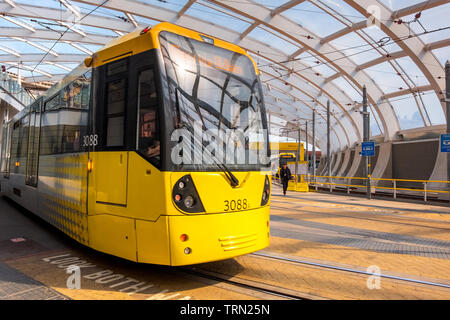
308 53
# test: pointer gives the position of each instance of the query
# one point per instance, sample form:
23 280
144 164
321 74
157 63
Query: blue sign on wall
368 149
445 142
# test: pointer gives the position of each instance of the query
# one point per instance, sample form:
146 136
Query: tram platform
322 245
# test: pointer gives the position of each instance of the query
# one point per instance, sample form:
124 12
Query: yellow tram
98 155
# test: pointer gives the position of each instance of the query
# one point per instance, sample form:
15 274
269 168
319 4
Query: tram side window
19 143
53 103
115 113
6 148
148 122
3 151
14 146
77 103
65 119
24 135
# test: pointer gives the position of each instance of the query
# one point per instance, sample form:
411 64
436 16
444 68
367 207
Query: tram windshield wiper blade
234 182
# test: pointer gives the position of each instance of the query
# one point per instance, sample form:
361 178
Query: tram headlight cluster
185 195
266 192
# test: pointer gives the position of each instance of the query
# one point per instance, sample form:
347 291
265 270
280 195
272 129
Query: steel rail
251 285
322 265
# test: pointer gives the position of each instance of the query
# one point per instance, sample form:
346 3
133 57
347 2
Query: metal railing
333 183
14 89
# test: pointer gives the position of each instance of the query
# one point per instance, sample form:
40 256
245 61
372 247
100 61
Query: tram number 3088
233 205
90 140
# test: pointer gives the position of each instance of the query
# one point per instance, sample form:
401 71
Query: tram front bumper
211 237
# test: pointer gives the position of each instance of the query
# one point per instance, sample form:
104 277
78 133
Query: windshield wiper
234 182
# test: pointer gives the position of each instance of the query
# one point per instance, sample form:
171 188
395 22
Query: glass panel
19 145
313 18
149 140
410 69
400 4
116 97
31 155
375 35
50 140
63 128
217 90
14 145
349 90
5 150
35 163
407 112
386 77
115 132
117 67
273 41
53 103
374 129
355 48
170 5
313 65
340 7
115 108
433 107
442 54
217 17
271 4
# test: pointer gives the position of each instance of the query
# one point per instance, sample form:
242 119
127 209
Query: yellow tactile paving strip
160 283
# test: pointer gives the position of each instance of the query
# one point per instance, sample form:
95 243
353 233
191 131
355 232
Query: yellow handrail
361 186
313 181
381 179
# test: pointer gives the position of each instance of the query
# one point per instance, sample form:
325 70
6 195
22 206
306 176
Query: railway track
327 266
251 287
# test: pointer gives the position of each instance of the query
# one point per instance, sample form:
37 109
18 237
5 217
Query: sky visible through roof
321 19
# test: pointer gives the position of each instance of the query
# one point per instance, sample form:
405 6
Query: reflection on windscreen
216 98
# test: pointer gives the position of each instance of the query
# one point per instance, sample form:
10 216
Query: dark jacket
285 174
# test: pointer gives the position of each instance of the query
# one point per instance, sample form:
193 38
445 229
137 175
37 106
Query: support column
297 158
314 144
447 99
328 141
366 138
306 148
299 152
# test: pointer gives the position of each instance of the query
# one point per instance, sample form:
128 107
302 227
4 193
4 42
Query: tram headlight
189 202
266 192
185 195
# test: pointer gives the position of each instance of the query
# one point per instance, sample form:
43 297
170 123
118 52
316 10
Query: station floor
397 239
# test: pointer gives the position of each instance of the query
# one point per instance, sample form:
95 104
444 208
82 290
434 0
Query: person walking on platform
285 176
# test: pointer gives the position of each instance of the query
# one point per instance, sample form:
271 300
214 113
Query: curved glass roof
308 52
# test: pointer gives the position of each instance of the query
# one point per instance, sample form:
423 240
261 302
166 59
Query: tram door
111 164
